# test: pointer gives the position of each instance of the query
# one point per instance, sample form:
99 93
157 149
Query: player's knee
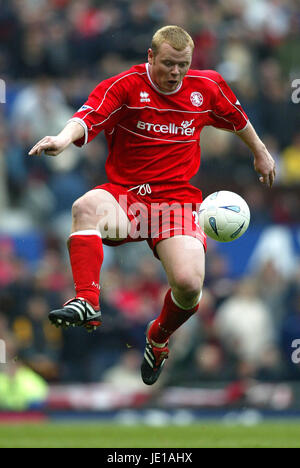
187 284
78 209
83 208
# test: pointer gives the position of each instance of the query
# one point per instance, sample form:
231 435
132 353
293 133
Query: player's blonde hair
177 37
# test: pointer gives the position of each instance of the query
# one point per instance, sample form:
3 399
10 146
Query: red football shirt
153 136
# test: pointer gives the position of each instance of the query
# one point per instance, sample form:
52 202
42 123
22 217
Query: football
224 216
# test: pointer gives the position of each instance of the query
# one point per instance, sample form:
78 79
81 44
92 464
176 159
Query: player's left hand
264 165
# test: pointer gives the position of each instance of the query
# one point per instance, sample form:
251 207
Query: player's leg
95 215
98 209
183 259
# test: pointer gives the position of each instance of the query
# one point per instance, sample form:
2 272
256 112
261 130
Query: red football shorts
158 212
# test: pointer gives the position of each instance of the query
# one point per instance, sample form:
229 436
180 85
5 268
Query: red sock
86 257
171 318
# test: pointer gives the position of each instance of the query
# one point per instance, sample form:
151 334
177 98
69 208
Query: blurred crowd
244 329
52 54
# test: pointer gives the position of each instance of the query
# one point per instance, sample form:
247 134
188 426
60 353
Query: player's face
169 66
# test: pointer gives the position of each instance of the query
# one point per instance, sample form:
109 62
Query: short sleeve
102 109
228 113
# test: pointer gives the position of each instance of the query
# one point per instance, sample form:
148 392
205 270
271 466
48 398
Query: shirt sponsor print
170 128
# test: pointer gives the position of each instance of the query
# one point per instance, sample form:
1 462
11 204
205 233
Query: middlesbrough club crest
196 99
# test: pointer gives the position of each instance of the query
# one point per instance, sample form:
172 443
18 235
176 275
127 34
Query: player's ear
150 56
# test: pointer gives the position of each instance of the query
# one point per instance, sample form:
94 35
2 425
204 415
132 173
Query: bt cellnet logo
170 128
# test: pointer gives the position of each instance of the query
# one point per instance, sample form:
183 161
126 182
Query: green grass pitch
92 435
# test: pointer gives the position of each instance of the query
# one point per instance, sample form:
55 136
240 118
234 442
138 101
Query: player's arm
264 164
54 145
229 115
101 111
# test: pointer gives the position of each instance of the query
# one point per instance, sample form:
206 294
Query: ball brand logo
171 128
196 99
2 92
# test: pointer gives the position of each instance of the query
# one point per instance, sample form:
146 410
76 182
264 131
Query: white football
224 216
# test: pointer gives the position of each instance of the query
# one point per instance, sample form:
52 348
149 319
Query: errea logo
144 96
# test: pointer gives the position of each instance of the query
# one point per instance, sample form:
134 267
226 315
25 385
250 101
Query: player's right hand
51 145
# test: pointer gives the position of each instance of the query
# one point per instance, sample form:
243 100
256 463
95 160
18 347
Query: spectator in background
38 342
36 107
17 290
39 106
244 326
20 387
271 288
127 371
211 363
